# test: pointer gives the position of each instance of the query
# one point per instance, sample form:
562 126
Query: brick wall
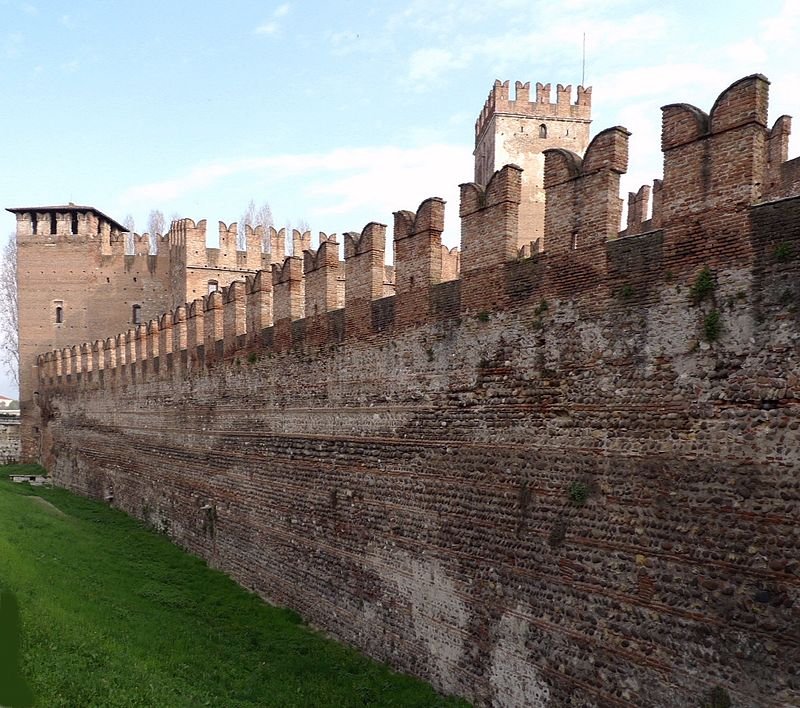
561 485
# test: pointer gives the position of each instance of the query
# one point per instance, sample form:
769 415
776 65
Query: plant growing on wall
703 285
712 326
578 493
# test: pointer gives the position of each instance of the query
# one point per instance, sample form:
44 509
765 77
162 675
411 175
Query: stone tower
518 131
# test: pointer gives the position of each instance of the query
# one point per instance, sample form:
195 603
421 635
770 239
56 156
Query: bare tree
9 315
155 227
130 228
253 216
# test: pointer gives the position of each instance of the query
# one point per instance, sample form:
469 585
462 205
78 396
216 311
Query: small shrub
429 354
541 308
703 285
669 276
625 292
483 316
252 358
712 326
784 252
578 493
717 698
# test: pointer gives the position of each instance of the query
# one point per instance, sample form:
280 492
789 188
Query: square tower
518 131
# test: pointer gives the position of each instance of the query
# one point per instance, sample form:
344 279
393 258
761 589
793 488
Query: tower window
74 222
53 228
574 240
34 223
542 131
136 314
59 311
213 286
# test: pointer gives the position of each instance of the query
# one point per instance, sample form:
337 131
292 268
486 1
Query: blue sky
337 113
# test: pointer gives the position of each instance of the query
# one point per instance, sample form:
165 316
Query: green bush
703 285
578 493
712 326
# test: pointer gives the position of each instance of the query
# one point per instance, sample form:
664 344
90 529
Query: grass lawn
115 615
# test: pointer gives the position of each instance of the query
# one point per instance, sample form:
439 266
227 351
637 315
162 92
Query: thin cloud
267 28
271 27
344 185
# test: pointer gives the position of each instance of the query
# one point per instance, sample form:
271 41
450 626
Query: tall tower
519 130
75 285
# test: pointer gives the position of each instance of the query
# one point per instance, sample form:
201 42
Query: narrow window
136 315
59 311
574 240
99 227
34 223
53 228
542 131
74 225
213 286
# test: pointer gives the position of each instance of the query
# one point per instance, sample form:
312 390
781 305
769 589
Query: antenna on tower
583 62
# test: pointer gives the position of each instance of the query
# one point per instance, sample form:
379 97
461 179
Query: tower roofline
67 208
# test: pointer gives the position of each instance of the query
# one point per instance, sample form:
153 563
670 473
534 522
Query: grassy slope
115 615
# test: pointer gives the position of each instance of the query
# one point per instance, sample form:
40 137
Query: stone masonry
567 478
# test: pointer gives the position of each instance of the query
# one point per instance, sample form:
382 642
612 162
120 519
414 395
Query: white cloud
267 28
346 185
271 27
428 64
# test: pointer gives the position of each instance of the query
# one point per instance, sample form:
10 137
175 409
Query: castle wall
567 479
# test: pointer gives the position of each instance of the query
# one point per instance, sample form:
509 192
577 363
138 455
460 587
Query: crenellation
451 263
365 275
166 336
277 247
583 204
259 304
542 92
300 242
638 208
213 322
234 315
322 271
288 289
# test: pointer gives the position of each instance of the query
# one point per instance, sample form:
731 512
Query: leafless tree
253 216
155 227
9 315
130 228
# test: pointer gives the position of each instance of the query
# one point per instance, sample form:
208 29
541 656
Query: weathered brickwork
563 480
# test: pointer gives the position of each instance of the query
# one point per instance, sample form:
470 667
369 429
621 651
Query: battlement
580 258
499 101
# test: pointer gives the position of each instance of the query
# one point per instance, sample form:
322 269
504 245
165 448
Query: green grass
115 615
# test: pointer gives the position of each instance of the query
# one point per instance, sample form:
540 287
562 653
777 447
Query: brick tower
518 131
76 285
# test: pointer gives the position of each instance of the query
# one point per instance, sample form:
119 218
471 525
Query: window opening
574 240
34 223
213 286
542 131
53 223
74 222
136 315
59 313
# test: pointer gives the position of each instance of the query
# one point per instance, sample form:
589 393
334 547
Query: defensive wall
565 478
